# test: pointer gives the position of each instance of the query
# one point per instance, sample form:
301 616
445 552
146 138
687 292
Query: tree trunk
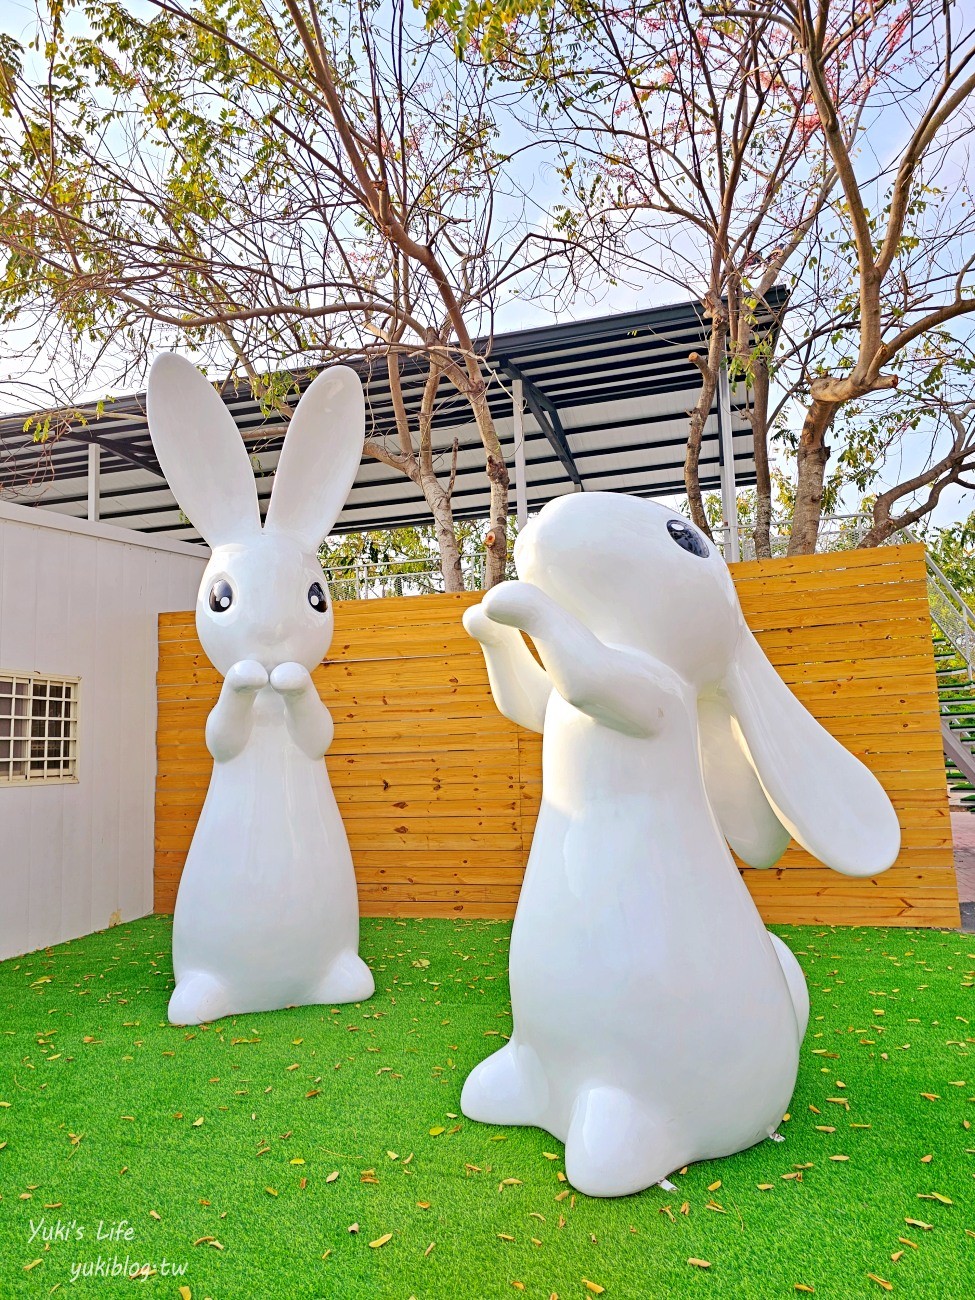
812 458
762 533
496 548
698 418
437 497
692 458
443 522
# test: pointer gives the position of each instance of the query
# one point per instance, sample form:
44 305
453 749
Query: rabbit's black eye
221 596
686 537
316 598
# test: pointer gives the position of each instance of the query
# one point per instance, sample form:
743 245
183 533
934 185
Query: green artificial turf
216 1145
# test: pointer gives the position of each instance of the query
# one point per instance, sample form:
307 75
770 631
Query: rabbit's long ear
319 459
201 452
747 819
827 800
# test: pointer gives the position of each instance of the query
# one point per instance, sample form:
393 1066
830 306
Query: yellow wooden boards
439 793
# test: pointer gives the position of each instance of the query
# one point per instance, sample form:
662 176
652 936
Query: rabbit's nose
268 634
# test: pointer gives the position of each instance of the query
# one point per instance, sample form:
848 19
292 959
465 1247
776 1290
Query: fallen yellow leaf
699 1263
881 1281
713 1187
594 1287
381 1241
330 1178
437 1130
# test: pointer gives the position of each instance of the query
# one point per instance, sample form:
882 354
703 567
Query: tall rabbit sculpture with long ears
267 912
656 1021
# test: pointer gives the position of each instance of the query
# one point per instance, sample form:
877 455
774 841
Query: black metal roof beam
547 418
708 484
117 449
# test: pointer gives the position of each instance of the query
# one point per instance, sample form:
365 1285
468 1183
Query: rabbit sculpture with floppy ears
267 912
656 1021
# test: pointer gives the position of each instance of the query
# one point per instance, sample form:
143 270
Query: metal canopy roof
606 401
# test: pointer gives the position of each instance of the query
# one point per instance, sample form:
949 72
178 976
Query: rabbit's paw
291 679
614 1147
507 1088
199 998
517 604
482 628
247 676
349 979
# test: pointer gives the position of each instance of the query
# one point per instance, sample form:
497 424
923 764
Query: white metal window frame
19 765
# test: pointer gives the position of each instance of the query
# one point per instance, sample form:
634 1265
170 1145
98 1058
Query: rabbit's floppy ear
747 819
201 452
320 456
823 796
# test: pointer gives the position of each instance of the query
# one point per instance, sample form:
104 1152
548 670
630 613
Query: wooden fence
439 793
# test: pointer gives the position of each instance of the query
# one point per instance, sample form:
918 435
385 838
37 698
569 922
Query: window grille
38 729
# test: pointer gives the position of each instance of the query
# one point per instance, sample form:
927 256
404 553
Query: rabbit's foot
614 1147
349 979
199 998
506 1088
795 980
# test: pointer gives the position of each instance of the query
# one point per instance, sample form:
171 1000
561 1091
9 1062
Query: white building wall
81 599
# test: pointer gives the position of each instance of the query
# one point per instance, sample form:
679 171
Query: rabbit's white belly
638 959
267 898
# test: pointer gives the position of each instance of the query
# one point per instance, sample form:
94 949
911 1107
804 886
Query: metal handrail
848 529
952 614
364 581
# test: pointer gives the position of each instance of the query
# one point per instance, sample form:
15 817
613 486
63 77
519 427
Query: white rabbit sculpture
656 1021
267 912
